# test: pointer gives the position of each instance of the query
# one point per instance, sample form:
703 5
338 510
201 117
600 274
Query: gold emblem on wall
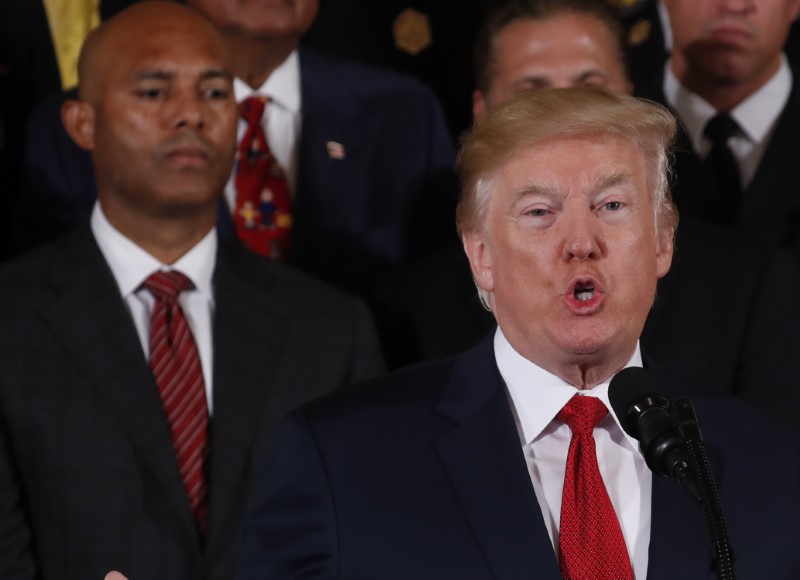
639 32
412 31
624 3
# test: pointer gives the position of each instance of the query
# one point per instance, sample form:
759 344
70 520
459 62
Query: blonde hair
535 117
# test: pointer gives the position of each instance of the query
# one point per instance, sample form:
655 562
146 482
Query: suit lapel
772 196
89 319
680 544
249 339
483 458
332 113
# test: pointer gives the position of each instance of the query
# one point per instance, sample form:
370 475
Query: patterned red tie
263 208
591 544
179 377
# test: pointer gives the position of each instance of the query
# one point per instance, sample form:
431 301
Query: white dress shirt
281 121
131 265
757 116
536 397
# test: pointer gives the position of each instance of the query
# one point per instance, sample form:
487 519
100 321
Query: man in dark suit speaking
503 462
144 363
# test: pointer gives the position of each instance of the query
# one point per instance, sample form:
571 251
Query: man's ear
665 247
480 260
478 104
78 118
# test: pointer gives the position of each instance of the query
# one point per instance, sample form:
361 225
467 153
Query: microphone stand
689 429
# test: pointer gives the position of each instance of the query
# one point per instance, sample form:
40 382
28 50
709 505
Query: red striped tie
591 544
179 377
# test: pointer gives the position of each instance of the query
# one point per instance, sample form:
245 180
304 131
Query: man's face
164 122
730 41
568 250
567 50
262 19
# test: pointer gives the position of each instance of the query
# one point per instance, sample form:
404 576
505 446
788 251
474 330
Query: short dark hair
504 12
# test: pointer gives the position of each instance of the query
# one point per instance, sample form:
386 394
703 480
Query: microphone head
648 417
625 391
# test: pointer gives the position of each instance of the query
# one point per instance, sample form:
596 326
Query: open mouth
583 291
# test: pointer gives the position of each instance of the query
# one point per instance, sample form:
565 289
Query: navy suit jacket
770 206
389 197
421 475
88 477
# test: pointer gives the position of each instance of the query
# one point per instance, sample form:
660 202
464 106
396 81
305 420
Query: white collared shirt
536 397
757 116
131 265
281 122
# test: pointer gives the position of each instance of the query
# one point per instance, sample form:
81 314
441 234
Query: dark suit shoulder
411 389
294 290
363 79
28 272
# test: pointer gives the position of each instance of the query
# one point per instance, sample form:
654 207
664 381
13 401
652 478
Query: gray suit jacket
88 478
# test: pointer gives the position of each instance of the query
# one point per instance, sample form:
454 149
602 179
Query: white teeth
583 295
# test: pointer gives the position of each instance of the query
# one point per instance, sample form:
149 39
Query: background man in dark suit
89 480
455 469
366 152
733 88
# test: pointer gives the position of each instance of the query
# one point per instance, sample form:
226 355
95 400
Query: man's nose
737 6
189 111
582 236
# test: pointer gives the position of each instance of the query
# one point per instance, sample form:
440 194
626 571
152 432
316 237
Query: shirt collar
131 265
756 115
282 86
538 395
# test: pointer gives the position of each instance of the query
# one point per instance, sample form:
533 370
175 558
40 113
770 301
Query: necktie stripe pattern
263 206
591 544
175 364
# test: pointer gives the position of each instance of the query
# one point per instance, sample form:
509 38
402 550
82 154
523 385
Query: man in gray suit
91 472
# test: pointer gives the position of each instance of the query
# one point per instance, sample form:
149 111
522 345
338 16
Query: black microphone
648 417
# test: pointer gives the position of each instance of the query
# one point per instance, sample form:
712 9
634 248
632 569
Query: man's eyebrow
537 188
553 191
217 73
612 179
167 75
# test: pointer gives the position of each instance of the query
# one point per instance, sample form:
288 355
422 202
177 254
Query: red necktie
263 209
179 377
591 544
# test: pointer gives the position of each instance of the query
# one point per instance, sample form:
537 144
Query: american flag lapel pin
335 150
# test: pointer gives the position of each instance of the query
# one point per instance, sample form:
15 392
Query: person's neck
721 94
254 60
582 371
585 376
167 237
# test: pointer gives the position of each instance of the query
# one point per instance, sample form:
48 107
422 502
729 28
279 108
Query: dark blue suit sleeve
291 531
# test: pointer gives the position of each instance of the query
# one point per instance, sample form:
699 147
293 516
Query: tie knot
720 128
252 109
167 285
582 414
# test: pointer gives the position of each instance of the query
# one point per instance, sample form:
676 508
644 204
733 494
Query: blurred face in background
262 19
565 50
729 42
